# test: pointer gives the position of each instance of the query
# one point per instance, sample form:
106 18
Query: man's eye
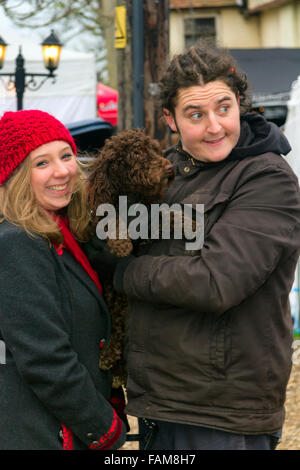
224 108
196 115
67 155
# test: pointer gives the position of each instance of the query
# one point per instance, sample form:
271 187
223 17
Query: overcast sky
6 23
85 42
34 34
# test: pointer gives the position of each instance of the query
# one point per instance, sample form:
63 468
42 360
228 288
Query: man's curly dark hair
198 65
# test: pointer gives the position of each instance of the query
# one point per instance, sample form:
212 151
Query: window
199 28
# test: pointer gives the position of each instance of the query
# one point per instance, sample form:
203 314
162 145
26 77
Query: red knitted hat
24 131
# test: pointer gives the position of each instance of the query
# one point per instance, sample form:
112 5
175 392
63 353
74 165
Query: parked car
90 136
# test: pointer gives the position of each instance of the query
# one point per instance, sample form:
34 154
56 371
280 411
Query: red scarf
71 244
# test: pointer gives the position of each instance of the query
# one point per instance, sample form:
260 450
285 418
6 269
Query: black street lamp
51 53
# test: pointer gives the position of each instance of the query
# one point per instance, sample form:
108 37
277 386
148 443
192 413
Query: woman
53 319
210 331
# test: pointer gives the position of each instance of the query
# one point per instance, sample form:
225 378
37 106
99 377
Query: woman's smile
58 188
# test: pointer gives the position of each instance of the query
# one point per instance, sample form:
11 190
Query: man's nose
213 125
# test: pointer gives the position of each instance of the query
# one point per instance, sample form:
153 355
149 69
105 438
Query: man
209 332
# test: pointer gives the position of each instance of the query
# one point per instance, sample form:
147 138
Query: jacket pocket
220 345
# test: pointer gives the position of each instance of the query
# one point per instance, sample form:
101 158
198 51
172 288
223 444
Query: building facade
235 23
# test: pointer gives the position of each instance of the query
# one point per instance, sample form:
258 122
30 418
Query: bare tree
71 18
156 50
156 29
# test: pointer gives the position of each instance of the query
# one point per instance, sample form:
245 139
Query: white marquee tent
292 132
73 95
292 127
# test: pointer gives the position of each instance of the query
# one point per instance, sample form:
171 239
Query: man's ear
238 99
170 120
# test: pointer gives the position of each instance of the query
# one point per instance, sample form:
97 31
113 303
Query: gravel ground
291 431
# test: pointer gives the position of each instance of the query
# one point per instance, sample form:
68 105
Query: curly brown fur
111 357
132 164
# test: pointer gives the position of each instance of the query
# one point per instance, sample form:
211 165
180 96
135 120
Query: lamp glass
51 54
2 54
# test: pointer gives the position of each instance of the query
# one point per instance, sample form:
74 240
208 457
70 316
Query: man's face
207 119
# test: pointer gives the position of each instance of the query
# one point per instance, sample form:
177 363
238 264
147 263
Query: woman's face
53 174
207 119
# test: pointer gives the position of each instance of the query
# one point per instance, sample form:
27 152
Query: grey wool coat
52 319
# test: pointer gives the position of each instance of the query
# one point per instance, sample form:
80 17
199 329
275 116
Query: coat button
186 169
90 435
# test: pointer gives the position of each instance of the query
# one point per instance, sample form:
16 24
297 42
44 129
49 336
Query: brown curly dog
129 164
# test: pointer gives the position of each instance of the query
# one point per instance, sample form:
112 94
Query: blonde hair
18 205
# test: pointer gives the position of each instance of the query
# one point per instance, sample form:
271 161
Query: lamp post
18 79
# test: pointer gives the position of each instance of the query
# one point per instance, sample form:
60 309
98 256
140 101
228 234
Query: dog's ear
100 185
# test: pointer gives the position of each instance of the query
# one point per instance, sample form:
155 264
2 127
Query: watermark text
157 221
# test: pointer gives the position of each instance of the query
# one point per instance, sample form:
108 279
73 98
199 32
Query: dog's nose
168 170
